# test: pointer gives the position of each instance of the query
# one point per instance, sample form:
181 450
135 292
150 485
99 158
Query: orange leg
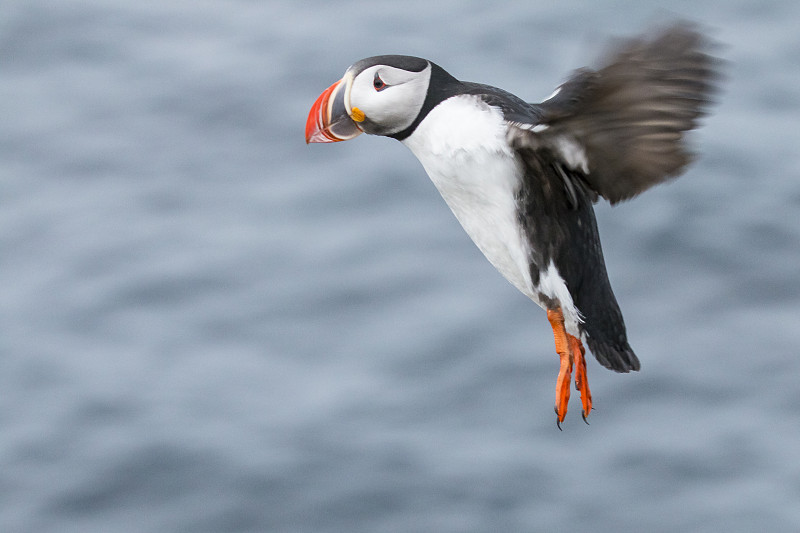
581 382
571 353
556 318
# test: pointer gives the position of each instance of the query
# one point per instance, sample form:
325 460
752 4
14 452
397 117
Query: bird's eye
378 83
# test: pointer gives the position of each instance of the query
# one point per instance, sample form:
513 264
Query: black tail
580 261
606 337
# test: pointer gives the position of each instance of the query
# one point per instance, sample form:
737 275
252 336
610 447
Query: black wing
621 129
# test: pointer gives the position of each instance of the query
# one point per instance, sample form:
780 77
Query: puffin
522 178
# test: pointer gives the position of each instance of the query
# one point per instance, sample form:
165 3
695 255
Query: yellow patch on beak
357 115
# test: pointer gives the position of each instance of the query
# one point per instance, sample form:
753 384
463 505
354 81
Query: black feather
630 116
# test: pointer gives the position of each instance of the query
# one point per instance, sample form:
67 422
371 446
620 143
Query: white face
389 97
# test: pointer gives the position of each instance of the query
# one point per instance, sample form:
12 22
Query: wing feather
622 128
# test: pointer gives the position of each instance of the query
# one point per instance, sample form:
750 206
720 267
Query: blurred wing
620 130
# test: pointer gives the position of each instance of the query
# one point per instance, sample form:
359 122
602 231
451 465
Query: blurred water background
207 326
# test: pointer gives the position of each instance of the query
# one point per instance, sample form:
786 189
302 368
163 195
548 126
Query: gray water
208 326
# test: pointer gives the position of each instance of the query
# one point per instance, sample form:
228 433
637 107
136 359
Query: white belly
462 145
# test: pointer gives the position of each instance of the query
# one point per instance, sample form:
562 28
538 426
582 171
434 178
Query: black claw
583 415
558 422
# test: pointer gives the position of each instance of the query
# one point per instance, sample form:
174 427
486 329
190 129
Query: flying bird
522 178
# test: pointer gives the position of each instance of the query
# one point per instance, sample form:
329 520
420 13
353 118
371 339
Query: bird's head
382 95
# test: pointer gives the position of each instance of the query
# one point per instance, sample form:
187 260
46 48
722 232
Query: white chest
462 145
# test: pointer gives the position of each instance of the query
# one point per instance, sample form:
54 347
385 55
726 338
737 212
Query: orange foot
571 353
581 382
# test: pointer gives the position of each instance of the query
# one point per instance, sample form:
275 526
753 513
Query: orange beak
329 120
